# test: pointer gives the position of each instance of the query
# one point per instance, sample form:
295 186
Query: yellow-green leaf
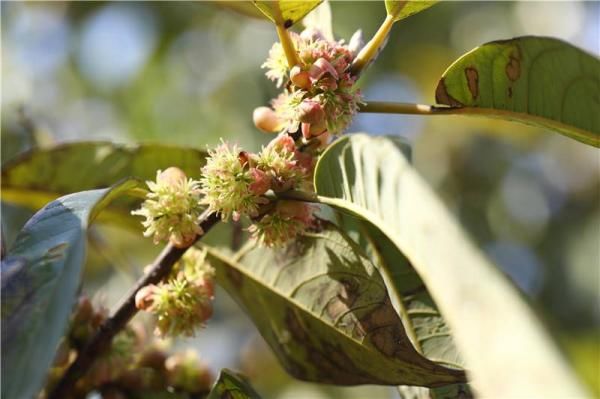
398 9
286 12
535 80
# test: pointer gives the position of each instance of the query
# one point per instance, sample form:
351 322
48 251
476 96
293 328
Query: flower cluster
183 302
133 363
172 208
320 97
236 183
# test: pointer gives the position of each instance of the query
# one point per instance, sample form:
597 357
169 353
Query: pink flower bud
282 142
300 78
261 183
144 298
266 120
313 130
320 68
311 112
171 176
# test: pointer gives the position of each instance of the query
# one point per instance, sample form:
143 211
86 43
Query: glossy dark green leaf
370 179
231 385
324 310
286 12
399 9
42 175
40 277
535 80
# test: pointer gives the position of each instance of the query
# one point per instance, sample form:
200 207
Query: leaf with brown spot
325 311
536 80
405 222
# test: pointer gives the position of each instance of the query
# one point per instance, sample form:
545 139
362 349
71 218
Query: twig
161 267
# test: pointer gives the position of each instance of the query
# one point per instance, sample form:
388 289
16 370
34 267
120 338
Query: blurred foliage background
189 73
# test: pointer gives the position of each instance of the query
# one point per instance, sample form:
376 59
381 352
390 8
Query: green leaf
42 175
286 12
40 277
535 80
231 385
369 178
420 316
398 9
323 308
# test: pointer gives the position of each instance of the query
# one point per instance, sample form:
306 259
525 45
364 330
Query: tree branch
161 268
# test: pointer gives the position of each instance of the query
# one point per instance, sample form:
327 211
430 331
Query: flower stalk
288 46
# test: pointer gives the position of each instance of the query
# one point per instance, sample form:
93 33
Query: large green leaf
536 80
230 385
40 277
286 12
323 308
399 9
42 175
498 335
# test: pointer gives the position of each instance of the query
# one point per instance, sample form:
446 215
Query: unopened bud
300 78
171 176
312 130
320 68
266 120
144 298
282 142
311 112
261 183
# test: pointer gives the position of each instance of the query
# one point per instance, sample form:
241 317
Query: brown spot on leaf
442 96
295 326
472 81
513 67
288 23
236 278
510 92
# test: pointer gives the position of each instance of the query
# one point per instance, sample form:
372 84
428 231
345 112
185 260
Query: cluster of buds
172 208
133 363
236 183
183 302
320 97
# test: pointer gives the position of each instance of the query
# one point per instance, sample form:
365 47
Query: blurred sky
189 73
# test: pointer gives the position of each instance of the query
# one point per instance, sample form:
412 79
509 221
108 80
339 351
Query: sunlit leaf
231 385
370 178
42 175
323 308
286 12
536 80
40 278
399 9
